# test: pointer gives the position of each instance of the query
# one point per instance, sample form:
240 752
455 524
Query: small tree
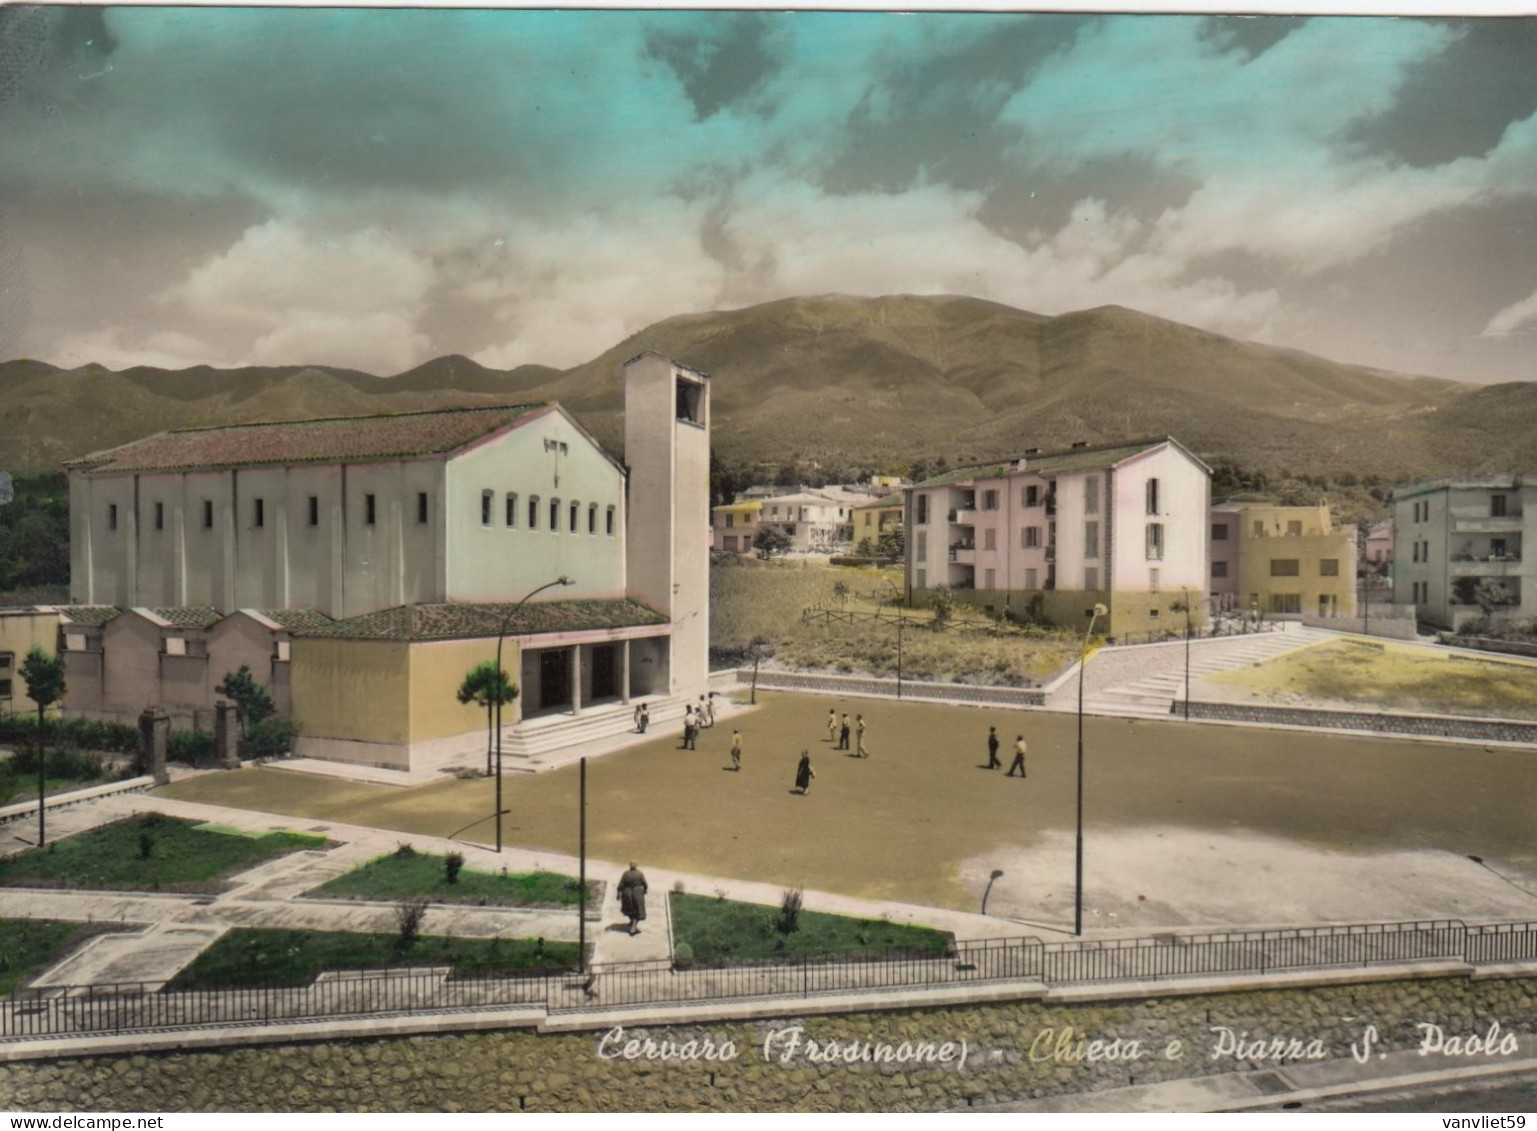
890 544
770 541
841 592
790 903
942 601
1489 594
252 703
865 549
487 686
44 675
451 865
409 914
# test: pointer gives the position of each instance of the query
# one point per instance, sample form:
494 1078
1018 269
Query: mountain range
870 382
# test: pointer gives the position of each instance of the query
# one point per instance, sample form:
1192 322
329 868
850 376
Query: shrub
192 747
146 844
75 765
404 851
451 865
409 914
271 737
70 733
682 956
790 910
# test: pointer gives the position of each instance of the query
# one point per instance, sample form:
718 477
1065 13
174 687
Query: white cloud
1515 317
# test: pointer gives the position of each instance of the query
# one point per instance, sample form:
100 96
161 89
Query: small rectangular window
510 509
1091 577
370 510
1219 569
1219 532
922 509
989 579
1496 506
259 513
1285 567
1293 528
1259 528
554 516
1152 582
1032 499
922 552
1031 538
1329 567
111 516
1091 498
572 515
533 512
1152 496
923 579
421 506
990 503
610 522
207 514
314 510
159 516
1031 577
1091 540
592 518
1154 541
989 541
485 508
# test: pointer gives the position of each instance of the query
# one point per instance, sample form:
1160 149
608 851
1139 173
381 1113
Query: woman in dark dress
632 896
804 773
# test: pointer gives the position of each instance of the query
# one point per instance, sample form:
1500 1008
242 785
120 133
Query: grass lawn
146 851
1376 674
252 956
414 873
29 945
719 930
16 788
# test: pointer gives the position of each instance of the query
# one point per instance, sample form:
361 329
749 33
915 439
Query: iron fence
130 1007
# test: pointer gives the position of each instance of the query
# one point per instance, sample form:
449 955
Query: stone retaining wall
1433 726
817 682
1392 628
1489 644
1012 1053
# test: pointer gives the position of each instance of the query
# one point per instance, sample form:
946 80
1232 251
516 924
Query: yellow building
874 519
21 630
1281 561
735 525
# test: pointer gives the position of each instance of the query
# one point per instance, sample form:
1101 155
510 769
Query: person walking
702 713
804 773
690 728
736 751
1019 757
709 709
632 896
638 728
843 732
859 737
832 725
992 749
644 718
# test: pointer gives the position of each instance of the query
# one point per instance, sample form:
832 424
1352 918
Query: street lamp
1187 653
1083 654
502 681
991 880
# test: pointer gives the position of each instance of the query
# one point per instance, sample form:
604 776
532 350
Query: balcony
1487 524
962 517
964 553
1502 565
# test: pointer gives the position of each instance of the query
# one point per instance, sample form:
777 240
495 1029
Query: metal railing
130 1007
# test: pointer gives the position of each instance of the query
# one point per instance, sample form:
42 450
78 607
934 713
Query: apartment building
1050 534
1459 543
1280 561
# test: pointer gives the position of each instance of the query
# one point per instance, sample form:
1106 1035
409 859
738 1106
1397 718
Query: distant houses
817 520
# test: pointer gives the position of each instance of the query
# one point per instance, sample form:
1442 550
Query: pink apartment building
1051 534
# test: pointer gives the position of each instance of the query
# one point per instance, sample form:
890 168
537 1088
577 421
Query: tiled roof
184 616
455 621
337 439
1049 463
298 621
90 614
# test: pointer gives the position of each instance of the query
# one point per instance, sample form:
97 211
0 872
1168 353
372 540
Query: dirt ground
1210 823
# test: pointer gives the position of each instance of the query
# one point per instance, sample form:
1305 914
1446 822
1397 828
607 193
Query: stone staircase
1154 696
527 747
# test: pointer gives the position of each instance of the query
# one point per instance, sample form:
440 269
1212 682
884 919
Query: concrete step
556 732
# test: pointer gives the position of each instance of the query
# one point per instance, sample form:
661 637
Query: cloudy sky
376 188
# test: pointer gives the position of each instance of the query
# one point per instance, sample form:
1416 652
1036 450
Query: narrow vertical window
572 514
554 516
111 516
610 521
592 518
421 506
1152 496
159 516
533 512
259 513
511 508
485 508
207 514
370 511
314 510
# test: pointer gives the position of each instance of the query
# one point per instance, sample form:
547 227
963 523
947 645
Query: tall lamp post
1187 654
501 635
1083 654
